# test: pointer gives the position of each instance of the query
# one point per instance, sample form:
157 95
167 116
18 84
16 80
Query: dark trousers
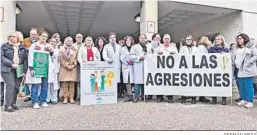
75 90
12 87
255 88
2 93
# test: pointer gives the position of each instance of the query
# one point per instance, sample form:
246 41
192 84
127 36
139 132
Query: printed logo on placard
99 100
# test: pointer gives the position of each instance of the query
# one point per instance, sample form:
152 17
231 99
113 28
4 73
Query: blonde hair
17 34
87 39
204 41
223 41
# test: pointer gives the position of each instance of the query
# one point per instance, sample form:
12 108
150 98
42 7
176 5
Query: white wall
245 5
250 24
228 26
9 23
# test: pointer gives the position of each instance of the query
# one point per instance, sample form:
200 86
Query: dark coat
216 49
7 52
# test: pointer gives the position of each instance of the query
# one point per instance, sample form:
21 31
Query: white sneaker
249 105
36 106
241 103
45 105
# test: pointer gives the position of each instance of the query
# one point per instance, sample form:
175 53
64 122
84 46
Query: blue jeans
138 88
246 89
43 93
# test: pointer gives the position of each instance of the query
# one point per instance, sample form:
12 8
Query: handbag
21 88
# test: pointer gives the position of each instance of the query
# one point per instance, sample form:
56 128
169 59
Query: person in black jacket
100 42
13 56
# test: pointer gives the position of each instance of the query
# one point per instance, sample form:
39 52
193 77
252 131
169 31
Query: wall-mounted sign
1 14
151 27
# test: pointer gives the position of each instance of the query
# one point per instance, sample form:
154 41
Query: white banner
188 75
98 83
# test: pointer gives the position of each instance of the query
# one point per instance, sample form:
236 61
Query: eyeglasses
189 39
12 36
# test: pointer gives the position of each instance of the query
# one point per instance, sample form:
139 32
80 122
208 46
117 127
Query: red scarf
90 55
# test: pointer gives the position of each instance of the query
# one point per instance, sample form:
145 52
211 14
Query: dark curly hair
97 44
245 37
132 40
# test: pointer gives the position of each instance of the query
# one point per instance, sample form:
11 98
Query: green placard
40 64
19 71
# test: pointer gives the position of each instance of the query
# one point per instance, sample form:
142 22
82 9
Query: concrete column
9 23
149 13
249 23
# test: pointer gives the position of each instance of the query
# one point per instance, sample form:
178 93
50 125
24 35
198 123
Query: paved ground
129 116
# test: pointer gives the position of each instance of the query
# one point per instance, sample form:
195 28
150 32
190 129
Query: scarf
144 47
69 51
16 59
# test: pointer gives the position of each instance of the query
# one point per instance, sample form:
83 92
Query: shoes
159 99
65 101
15 107
214 101
9 109
170 100
72 101
204 100
27 99
36 106
238 100
54 102
242 103
45 105
249 105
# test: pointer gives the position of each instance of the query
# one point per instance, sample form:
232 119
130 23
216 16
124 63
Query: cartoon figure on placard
102 80
99 81
109 78
96 82
92 80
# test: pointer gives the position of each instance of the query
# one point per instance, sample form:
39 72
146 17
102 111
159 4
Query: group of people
62 82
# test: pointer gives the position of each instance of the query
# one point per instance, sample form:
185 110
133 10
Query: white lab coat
109 54
55 70
167 50
202 49
127 70
82 55
188 50
29 79
135 54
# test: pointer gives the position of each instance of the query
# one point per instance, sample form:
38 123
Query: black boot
214 100
193 100
224 101
203 99
8 109
2 103
27 99
170 99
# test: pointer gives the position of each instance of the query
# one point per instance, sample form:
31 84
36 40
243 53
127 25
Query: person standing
151 49
13 57
111 54
58 40
88 52
189 48
167 48
138 52
78 44
245 61
127 66
219 46
27 42
100 42
53 80
44 47
68 69
203 46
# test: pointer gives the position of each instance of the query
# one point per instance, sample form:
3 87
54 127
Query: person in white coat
111 54
41 46
88 52
127 66
54 68
167 48
189 48
137 54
